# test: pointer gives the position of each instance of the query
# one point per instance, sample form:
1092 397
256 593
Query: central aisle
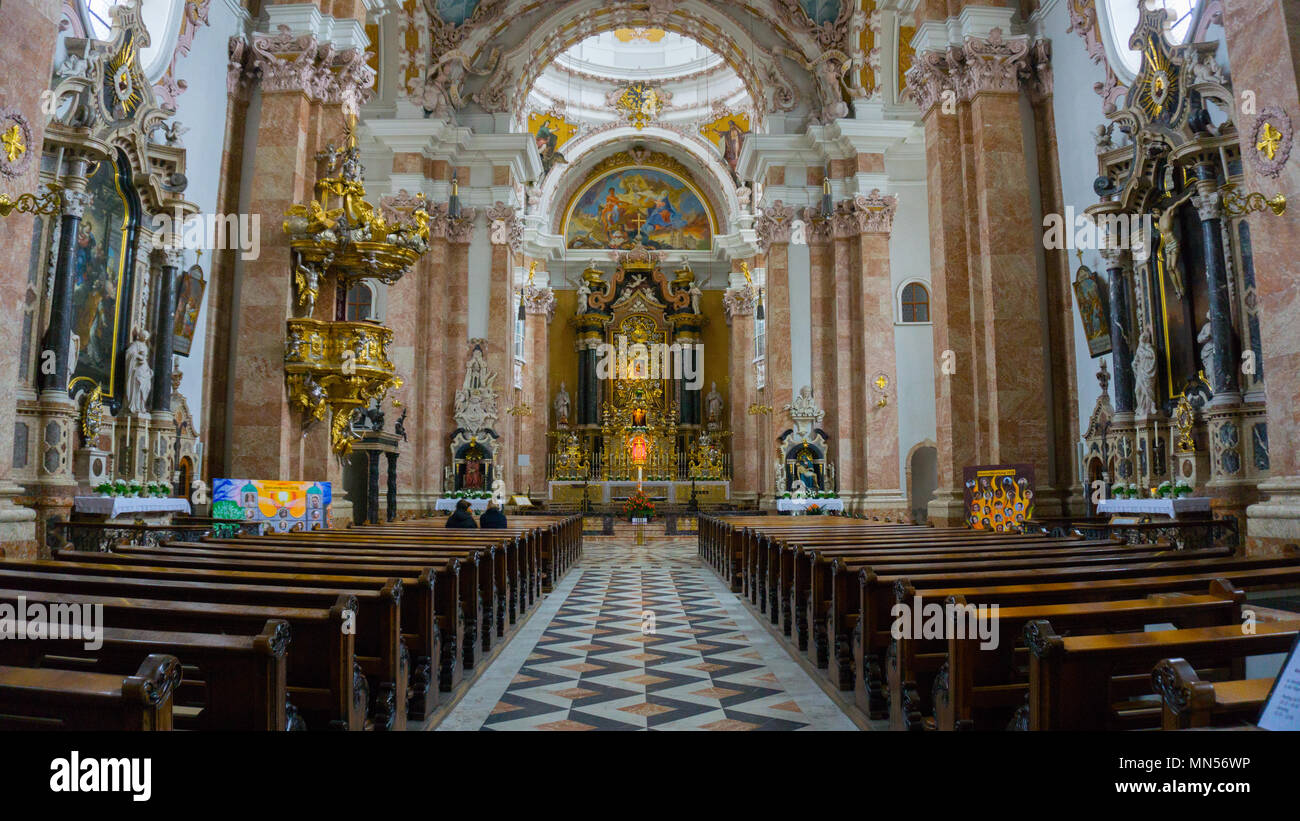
584 661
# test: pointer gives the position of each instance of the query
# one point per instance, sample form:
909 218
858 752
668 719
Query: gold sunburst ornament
124 80
1159 85
640 103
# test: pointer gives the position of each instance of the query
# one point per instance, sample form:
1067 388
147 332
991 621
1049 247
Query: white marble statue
1144 375
1206 340
139 376
584 293
713 404
805 414
499 492
780 477
562 407
476 401
695 293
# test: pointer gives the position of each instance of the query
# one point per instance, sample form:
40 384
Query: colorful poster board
998 497
283 507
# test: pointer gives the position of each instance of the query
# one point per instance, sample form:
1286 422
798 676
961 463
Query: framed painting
189 299
649 207
1090 298
102 265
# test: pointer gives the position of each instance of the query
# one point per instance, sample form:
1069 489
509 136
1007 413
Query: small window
360 301
916 303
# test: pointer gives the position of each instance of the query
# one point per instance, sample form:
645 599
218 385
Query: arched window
1118 18
360 305
915 303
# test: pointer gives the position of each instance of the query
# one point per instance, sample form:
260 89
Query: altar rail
100 537
1185 534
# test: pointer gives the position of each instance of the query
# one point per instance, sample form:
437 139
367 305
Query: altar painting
100 282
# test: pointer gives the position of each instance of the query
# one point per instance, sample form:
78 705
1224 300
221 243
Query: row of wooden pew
1077 623
351 629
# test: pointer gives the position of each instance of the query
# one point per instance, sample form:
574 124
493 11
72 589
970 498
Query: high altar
641 414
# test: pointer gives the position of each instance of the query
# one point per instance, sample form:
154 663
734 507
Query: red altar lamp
638 449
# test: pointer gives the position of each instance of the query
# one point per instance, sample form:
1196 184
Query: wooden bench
1187 701
230 682
324 680
41 699
1098 682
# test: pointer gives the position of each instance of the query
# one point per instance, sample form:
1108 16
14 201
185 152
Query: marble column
1263 41
539 310
1120 333
504 229
1209 207
747 474
58 334
774 229
31 28
882 485
164 321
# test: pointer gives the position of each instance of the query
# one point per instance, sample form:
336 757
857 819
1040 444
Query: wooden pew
969 687
475 593
1097 682
42 699
324 680
380 651
422 588
1187 701
232 682
877 594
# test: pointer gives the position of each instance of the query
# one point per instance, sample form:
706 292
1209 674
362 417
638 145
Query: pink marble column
746 482
877 366
502 232
844 423
539 310
1263 38
455 307
30 28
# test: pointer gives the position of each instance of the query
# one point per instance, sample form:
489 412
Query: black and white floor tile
644 637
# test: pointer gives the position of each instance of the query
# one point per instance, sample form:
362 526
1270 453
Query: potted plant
104 488
120 488
639 508
1182 489
813 510
1165 489
1119 490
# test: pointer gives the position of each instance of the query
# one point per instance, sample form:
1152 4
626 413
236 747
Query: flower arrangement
1165 489
639 506
469 494
813 510
1121 490
1182 489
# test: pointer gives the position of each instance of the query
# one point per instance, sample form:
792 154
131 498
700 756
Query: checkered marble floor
644 637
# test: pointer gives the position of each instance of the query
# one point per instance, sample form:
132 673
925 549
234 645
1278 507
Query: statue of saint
584 293
1206 340
713 404
1144 375
562 407
139 376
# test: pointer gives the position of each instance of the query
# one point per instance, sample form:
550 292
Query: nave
591 658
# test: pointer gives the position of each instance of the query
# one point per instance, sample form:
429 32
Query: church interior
911 365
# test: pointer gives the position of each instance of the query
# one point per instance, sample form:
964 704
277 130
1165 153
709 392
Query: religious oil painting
100 283
550 133
1091 301
189 299
639 206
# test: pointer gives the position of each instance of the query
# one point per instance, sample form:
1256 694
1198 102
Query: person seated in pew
493 517
462 518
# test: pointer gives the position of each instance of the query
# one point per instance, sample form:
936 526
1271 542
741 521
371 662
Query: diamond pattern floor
643 637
